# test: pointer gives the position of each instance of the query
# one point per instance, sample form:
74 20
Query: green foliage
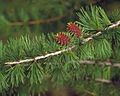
86 51
113 36
3 22
3 83
114 15
93 18
63 69
104 47
15 75
60 76
13 49
15 18
1 51
90 50
36 73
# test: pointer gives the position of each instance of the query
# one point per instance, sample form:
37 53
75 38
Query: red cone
62 39
73 28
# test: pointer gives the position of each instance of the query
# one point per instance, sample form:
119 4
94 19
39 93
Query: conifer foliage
33 65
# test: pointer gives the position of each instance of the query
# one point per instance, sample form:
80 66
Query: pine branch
100 33
99 80
103 81
41 57
105 63
65 50
90 93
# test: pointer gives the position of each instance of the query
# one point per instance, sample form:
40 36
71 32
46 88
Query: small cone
62 39
73 28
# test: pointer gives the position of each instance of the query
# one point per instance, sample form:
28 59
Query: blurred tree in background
36 16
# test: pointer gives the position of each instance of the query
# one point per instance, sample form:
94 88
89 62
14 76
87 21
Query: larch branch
114 25
101 63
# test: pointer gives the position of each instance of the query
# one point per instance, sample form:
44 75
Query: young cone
62 39
73 28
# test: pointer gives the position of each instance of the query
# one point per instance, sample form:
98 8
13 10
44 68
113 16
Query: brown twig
90 93
32 22
101 63
103 81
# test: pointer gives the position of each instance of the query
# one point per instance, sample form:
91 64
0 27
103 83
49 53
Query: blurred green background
46 15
